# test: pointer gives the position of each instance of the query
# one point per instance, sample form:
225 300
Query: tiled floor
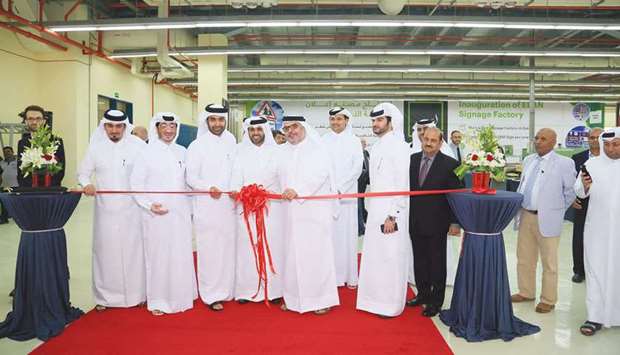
559 335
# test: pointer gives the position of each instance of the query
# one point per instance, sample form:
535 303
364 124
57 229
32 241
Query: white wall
68 84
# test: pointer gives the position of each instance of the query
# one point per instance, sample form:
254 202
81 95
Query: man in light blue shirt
547 188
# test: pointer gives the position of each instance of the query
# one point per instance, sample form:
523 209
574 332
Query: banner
511 122
316 113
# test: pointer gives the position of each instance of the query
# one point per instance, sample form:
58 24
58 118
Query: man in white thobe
209 167
309 273
602 234
386 255
417 136
118 252
256 163
166 219
347 159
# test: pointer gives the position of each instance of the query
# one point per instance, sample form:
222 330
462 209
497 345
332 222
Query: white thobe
209 164
386 258
118 252
453 244
258 165
601 241
170 276
347 161
309 273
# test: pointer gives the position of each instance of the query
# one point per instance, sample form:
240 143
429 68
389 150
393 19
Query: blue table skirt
41 306
481 308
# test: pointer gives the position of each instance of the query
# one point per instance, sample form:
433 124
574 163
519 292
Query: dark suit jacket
432 215
60 157
580 159
364 178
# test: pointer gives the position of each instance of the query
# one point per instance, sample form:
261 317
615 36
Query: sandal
322 311
276 300
283 307
157 312
100 308
216 306
590 328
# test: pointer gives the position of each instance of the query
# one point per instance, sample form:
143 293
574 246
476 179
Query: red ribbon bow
254 198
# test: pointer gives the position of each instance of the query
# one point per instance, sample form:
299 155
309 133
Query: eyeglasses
34 119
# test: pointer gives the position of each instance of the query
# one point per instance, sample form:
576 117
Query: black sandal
214 306
590 328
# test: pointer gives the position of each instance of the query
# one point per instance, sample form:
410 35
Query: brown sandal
157 312
216 306
320 312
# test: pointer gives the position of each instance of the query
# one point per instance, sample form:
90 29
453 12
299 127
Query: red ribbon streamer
254 201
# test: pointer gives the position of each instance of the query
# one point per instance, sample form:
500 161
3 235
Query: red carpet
249 329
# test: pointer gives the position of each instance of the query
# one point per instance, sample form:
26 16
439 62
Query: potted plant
40 157
485 162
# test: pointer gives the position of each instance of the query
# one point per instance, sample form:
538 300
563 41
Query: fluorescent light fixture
329 21
419 92
436 69
391 82
206 51
391 98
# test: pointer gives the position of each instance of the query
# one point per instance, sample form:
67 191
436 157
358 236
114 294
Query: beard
257 140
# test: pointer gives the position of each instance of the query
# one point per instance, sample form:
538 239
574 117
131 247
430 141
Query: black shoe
414 302
242 301
4 221
578 278
430 311
12 293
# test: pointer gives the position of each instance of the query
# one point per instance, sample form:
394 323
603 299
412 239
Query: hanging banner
316 113
570 121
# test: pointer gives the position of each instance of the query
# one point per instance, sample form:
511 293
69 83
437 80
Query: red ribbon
254 201
279 196
254 198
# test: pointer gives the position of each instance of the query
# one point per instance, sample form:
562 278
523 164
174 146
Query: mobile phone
383 228
585 171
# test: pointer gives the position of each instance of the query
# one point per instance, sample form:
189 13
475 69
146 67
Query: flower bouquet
40 157
485 162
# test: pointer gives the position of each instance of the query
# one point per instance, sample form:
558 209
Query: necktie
424 170
458 153
529 183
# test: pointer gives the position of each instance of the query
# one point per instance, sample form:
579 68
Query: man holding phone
382 287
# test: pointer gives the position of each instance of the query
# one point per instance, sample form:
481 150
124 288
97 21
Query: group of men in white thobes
312 242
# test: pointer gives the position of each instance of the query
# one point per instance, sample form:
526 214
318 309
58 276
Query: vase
35 180
47 180
481 183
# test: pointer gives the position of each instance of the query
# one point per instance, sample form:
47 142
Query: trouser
362 214
530 244
578 226
429 263
4 214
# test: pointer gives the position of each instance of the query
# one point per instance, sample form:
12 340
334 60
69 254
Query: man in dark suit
430 220
34 117
581 206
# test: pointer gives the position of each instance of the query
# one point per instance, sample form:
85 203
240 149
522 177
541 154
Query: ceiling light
325 21
205 51
435 69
